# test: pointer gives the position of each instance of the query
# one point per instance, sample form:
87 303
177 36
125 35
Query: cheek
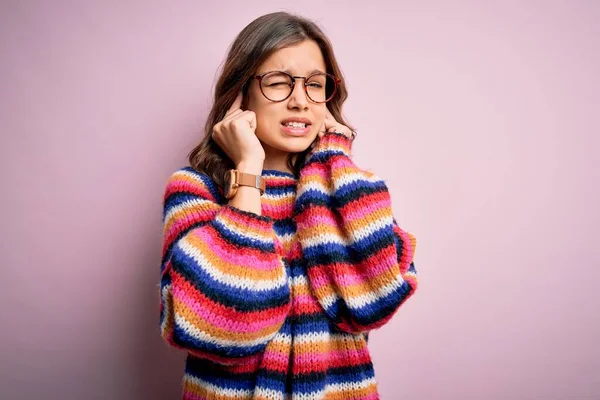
268 118
322 110
267 123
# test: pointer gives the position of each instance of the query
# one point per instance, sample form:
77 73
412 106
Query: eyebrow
310 73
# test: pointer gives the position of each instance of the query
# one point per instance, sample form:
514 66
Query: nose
298 98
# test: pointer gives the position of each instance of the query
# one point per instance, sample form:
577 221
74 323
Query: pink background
482 116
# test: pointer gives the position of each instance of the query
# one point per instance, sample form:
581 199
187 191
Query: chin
293 145
287 144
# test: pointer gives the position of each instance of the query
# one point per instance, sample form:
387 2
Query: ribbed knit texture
279 306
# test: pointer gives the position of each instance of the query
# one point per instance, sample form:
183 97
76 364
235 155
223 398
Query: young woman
280 254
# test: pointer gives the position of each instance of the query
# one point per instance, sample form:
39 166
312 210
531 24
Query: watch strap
246 179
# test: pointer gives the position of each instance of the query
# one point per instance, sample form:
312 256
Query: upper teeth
296 124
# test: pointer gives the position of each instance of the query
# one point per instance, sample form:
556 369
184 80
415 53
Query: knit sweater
279 305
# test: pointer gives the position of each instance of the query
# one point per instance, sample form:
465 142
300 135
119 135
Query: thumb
330 125
250 117
326 126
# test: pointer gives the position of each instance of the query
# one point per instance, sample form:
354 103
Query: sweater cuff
249 218
332 143
245 228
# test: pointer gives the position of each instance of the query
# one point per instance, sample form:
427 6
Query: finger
241 118
234 114
334 126
322 129
252 120
237 103
330 125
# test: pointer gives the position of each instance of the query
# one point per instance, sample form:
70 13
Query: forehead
302 58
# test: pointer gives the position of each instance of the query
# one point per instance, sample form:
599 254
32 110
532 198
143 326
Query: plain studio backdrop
483 118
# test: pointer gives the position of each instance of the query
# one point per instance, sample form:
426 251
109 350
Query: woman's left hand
331 125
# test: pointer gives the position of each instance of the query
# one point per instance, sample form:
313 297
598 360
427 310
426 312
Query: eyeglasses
277 86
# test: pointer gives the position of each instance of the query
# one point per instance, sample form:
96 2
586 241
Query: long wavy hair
253 45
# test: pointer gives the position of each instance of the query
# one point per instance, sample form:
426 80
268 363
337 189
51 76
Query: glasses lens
276 86
320 87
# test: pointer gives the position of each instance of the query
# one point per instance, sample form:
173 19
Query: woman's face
302 59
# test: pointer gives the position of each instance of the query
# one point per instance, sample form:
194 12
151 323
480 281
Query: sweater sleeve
359 261
224 290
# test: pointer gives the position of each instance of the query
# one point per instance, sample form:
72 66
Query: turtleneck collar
275 178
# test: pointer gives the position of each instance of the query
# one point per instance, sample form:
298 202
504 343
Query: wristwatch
235 179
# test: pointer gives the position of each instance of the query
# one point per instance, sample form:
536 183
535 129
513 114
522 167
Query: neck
278 161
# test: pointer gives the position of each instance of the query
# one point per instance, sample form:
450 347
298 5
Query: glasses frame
336 81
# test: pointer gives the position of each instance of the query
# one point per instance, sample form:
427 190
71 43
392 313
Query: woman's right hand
235 134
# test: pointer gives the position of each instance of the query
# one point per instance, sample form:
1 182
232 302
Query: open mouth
295 125
296 128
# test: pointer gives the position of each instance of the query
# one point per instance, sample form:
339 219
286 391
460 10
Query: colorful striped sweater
279 305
